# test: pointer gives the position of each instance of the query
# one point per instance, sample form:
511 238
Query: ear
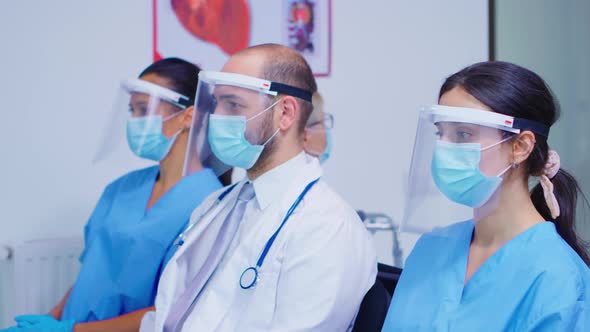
187 118
289 111
523 146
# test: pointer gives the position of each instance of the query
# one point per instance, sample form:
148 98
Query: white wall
61 61
389 58
552 38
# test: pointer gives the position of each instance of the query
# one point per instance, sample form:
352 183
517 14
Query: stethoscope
249 276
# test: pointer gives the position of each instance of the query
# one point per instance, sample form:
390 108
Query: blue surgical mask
326 154
228 141
456 173
145 137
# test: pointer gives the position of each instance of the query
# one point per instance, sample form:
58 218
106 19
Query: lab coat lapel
190 257
200 240
232 304
310 172
273 216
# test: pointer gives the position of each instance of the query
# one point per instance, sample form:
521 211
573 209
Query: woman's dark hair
183 78
516 91
182 75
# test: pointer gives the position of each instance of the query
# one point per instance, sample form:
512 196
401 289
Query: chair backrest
389 276
373 309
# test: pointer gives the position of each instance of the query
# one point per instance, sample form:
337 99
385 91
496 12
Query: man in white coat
280 250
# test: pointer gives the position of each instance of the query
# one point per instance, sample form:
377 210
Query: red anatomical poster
208 32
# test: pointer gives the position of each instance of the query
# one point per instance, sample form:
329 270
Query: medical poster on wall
208 32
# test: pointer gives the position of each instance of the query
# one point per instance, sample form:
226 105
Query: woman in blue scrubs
516 264
133 226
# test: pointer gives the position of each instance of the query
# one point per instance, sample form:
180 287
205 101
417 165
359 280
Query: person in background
317 138
517 264
132 228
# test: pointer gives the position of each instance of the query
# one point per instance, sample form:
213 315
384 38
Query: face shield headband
486 118
254 83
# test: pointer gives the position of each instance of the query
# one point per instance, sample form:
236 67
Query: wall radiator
35 275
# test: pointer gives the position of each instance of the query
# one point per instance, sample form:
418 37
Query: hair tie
551 168
553 164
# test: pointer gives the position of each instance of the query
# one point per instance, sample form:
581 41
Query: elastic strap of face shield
535 127
290 91
185 102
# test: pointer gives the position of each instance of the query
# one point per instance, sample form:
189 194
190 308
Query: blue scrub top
535 282
126 245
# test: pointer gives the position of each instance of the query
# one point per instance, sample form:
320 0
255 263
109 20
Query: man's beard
267 130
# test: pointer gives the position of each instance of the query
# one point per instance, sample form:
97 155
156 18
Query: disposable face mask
145 137
456 173
228 141
326 154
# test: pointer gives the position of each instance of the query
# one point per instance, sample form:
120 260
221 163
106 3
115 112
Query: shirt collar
272 184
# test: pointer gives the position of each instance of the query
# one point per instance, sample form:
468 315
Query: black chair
388 275
373 309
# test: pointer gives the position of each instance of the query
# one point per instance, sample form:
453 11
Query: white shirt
313 278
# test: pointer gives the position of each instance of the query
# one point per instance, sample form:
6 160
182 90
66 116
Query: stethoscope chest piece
249 277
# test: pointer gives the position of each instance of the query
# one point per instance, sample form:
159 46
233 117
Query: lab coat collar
271 185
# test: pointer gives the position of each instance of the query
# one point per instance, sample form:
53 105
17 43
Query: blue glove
43 323
29 320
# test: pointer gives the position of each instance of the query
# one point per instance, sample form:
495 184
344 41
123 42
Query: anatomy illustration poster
208 32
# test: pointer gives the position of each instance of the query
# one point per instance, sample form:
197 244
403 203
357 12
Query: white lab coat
313 279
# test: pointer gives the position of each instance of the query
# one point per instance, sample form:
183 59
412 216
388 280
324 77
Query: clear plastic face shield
460 158
238 113
150 116
319 137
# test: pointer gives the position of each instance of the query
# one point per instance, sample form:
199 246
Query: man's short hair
287 66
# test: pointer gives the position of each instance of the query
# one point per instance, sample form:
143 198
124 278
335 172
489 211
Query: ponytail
566 189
